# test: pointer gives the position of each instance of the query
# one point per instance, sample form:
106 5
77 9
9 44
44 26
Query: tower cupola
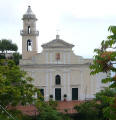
29 14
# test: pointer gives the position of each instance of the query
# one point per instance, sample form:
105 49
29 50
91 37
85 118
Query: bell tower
29 35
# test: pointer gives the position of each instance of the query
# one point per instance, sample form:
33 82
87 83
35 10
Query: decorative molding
51 58
51 83
55 65
46 57
54 93
46 95
68 85
92 85
68 58
64 79
82 86
64 58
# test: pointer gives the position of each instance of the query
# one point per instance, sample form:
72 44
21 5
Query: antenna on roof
57 34
57 31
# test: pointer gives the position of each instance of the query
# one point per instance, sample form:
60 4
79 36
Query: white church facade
57 71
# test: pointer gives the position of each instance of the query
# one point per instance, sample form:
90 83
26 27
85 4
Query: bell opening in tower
29 30
29 45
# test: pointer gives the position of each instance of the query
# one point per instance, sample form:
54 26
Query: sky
83 23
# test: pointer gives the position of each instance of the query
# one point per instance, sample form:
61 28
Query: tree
14 115
105 58
104 61
7 45
47 111
87 110
16 57
15 85
94 110
104 97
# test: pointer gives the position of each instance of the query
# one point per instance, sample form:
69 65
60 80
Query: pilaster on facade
46 93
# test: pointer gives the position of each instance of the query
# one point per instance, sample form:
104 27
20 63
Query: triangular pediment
57 43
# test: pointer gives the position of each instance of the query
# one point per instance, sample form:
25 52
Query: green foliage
87 110
7 45
19 116
105 58
104 61
106 99
16 88
3 117
16 57
53 104
15 85
2 56
47 111
16 115
106 92
100 108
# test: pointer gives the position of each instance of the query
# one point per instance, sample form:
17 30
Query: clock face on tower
57 56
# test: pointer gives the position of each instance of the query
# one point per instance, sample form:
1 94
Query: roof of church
57 43
29 14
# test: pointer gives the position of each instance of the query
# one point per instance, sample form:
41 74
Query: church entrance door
74 93
58 94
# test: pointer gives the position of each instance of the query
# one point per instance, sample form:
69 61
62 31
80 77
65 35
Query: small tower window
29 30
29 45
58 80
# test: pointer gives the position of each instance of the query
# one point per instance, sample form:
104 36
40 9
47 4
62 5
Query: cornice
57 43
55 65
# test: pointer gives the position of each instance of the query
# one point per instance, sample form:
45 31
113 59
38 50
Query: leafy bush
47 111
87 110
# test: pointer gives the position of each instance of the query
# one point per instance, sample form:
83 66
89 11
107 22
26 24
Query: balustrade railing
25 33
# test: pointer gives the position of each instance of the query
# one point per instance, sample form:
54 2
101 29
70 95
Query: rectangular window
58 94
74 93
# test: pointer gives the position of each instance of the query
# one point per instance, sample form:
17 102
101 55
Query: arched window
29 45
29 30
58 80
